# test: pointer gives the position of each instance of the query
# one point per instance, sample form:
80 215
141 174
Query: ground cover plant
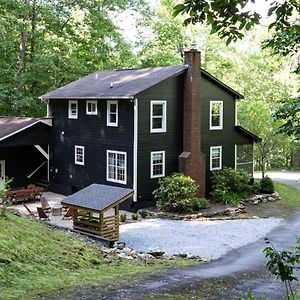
178 193
35 258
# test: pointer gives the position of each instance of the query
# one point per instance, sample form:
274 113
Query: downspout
135 147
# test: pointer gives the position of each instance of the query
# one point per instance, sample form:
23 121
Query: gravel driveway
207 239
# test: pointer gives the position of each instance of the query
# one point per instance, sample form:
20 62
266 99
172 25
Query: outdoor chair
42 214
31 213
68 214
45 204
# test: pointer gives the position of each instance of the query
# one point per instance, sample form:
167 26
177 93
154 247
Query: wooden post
100 223
117 221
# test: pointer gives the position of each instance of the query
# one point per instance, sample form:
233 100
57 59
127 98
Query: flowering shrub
176 192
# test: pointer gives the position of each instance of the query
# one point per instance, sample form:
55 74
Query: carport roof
10 126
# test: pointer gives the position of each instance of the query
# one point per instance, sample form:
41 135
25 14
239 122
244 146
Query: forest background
45 44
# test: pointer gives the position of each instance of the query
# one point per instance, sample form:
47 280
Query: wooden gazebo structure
96 209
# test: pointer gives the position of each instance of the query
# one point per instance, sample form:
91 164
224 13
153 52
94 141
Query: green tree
46 44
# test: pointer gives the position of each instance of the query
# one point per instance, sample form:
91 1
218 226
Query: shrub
203 202
134 216
176 193
195 204
266 185
230 185
4 200
123 217
199 203
144 213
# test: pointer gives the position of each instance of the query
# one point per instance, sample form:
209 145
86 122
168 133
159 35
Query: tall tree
45 44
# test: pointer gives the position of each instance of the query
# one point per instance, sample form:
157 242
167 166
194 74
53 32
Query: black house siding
91 132
171 91
228 137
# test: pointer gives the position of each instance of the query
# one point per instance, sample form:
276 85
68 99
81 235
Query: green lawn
35 258
290 196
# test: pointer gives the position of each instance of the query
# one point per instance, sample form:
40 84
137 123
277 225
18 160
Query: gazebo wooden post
75 215
101 222
117 221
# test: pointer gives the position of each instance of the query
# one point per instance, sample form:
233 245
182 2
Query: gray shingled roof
97 196
12 125
125 83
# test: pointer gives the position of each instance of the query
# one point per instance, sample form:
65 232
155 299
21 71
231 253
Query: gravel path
207 239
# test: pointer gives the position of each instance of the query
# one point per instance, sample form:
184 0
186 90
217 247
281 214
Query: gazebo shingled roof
98 197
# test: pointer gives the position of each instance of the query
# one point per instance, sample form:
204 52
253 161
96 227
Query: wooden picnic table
25 194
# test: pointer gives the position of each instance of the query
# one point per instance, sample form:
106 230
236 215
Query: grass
35 257
290 196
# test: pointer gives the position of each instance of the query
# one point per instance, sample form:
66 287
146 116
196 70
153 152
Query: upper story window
158 116
91 107
112 113
215 158
216 115
73 109
79 155
157 164
116 166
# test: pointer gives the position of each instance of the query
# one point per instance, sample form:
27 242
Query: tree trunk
33 29
21 61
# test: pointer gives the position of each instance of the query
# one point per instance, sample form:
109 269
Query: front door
2 172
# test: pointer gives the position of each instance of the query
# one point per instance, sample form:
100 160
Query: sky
127 20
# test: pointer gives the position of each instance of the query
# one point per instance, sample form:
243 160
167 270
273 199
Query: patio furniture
31 213
45 204
24 194
68 214
42 214
56 210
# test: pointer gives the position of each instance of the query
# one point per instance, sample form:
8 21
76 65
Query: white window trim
164 119
220 127
75 159
125 167
210 158
70 111
87 107
108 123
163 164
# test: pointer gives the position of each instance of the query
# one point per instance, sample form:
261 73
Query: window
116 167
73 109
216 115
215 158
79 155
157 164
91 108
158 116
112 113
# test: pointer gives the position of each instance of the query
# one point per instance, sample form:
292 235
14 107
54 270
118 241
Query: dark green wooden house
129 128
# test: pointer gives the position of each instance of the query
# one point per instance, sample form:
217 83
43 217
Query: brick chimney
191 160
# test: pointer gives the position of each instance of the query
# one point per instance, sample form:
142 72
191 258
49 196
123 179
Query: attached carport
24 150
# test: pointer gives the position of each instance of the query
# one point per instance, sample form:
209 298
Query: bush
123 217
230 185
135 216
195 204
176 193
199 203
267 185
144 213
203 202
